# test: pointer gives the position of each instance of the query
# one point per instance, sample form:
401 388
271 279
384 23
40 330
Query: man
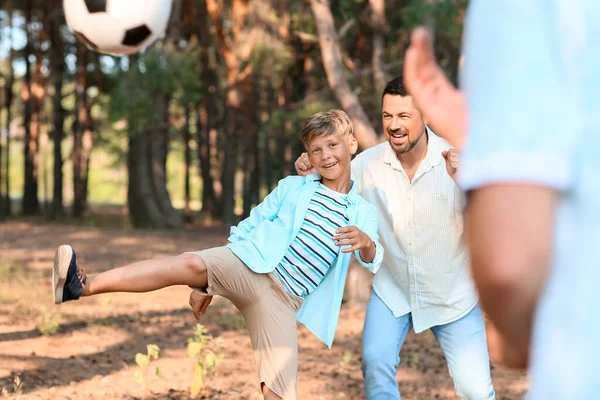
424 281
531 166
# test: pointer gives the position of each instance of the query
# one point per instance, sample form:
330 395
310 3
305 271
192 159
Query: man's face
402 123
331 155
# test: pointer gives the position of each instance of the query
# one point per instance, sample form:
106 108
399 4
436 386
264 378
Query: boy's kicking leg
70 281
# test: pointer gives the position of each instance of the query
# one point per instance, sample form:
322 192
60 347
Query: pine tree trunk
208 113
236 52
187 210
148 199
30 201
81 125
57 72
9 95
380 27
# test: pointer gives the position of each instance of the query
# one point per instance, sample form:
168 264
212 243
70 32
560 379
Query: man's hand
452 157
199 302
443 105
357 240
303 165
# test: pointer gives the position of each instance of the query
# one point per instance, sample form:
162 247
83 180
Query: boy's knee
194 263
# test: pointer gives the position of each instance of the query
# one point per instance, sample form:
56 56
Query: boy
285 262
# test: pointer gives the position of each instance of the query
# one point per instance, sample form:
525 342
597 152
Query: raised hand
452 157
303 165
443 105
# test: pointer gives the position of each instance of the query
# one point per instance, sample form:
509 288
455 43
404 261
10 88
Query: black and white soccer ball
117 27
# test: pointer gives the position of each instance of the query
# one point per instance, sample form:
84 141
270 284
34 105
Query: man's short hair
326 123
395 87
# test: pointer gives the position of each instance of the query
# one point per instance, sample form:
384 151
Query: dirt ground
92 354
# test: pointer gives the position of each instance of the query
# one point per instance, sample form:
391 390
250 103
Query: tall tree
380 28
30 202
148 198
236 47
8 96
57 76
334 67
81 131
208 114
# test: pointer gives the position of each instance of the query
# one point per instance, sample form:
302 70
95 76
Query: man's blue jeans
463 342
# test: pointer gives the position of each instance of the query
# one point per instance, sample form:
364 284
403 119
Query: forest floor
87 349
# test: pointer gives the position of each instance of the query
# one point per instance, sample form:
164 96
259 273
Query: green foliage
205 351
161 71
447 14
50 322
143 362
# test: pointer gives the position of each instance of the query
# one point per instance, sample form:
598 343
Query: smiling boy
286 262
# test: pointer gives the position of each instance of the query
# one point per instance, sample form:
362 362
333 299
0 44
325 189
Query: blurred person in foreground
528 121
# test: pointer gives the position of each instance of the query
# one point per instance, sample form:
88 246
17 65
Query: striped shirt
425 268
313 251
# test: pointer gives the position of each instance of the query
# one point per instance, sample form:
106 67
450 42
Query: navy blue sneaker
68 280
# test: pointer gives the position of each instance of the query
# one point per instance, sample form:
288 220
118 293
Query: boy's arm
267 209
371 227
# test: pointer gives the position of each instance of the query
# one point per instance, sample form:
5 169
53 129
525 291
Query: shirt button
409 198
410 263
409 244
409 223
412 281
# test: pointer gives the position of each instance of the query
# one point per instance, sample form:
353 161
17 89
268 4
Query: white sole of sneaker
62 260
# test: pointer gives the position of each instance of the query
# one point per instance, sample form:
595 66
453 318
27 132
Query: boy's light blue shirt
262 239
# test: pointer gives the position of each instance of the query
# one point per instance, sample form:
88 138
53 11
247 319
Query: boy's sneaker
68 280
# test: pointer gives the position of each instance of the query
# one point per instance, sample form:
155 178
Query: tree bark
30 201
208 112
187 210
57 72
380 27
9 95
334 68
236 53
81 129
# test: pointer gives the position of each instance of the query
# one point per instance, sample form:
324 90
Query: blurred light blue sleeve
522 119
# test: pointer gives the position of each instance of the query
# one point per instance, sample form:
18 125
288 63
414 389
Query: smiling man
424 281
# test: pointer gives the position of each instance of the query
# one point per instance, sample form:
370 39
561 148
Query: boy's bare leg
148 275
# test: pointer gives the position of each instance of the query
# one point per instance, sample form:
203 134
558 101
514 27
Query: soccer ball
117 27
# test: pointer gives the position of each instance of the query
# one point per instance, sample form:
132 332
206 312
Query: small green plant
4 392
105 301
205 351
50 322
143 362
346 358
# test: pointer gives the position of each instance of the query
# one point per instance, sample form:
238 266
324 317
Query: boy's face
331 155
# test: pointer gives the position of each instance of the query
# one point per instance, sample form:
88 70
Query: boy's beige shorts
269 312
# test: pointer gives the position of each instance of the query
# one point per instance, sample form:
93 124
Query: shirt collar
352 194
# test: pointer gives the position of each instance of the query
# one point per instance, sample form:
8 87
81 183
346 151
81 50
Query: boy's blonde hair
326 123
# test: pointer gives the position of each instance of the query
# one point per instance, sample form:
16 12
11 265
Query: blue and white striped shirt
313 251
